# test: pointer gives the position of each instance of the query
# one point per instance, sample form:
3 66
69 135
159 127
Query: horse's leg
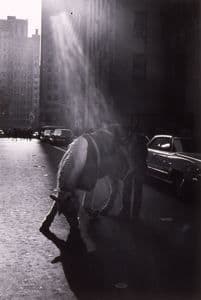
70 211
109 208
127 194
49 219
60 244
84 230
78 237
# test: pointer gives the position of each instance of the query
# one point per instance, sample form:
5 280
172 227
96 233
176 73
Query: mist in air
87 105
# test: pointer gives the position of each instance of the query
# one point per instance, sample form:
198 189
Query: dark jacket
139 155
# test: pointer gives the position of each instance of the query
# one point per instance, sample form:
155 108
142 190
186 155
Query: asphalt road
26 181
154 258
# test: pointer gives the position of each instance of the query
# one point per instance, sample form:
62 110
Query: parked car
176 160
35 134
1 133
61 136
47 127
45 137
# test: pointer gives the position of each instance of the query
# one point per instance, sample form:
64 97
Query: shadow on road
132 260
129 262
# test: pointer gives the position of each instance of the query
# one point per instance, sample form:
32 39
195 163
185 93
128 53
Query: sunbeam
87 104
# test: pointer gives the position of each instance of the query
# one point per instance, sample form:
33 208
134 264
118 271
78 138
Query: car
45 137
61 137
47 127
1 133
175 160
35 134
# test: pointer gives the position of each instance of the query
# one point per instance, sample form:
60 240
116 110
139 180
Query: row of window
140 25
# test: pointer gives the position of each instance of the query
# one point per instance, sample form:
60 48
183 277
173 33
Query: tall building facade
121 60
19 74
61 63
147 53
51 100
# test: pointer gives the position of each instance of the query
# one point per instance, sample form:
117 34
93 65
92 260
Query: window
186 145
161 143
139 66
140 25
178 145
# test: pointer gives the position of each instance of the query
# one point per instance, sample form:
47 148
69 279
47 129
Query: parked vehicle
47 127
46 135
176 160
35 134
61 136
1 133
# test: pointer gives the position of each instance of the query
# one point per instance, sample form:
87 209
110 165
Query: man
138 156
133 184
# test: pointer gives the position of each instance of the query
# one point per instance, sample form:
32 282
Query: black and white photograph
100 150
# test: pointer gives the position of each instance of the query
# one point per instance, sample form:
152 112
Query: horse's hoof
54 197
56 260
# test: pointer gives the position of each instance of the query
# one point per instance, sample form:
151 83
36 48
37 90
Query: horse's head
118 133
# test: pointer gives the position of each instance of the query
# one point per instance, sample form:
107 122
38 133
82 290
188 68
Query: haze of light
23 9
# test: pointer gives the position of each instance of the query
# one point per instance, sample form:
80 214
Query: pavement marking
166 219
121 285
58 148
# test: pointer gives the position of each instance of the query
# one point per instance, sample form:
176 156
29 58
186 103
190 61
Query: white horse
90 175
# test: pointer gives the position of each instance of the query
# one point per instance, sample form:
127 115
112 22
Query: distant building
120 59
51 100
19 74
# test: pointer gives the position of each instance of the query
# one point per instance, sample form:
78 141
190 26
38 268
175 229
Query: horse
89 178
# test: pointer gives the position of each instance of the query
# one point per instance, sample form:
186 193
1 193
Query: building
121 60
147 53
59 60
19 75
33 74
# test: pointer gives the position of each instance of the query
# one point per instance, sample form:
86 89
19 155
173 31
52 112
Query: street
156 257
25 255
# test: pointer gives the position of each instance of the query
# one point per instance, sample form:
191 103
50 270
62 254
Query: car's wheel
184 189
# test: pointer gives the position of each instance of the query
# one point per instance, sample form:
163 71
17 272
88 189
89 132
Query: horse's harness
94 169
90 172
